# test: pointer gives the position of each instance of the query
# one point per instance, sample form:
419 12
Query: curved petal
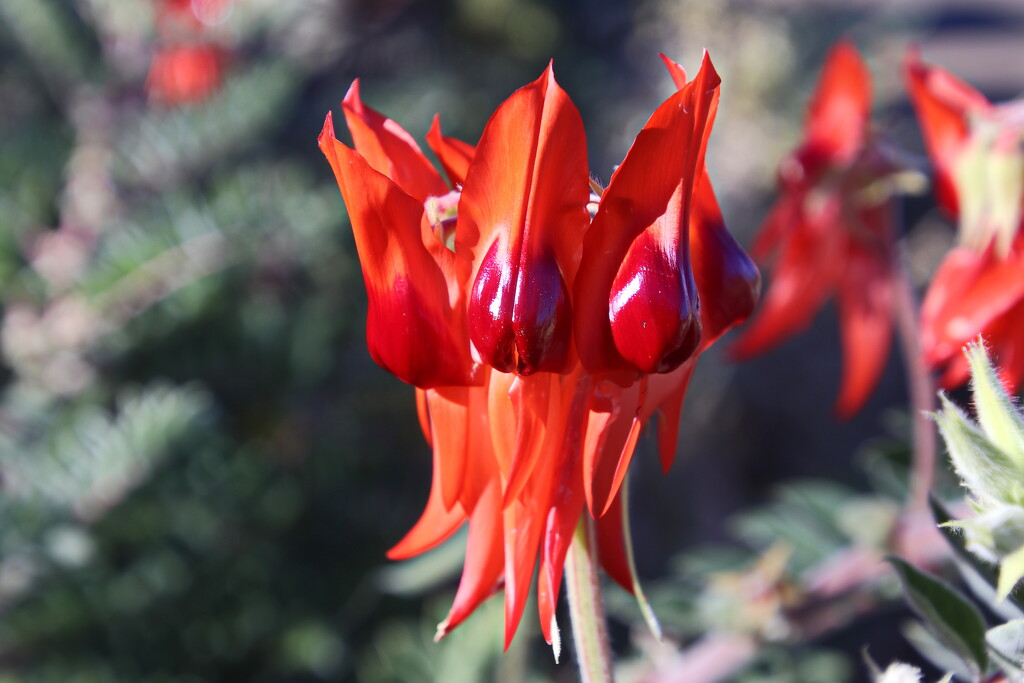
967 293
640 234
454 154
521 219
806 273
942 103
484 560
412 330
566 505
665 397
389 149
866 325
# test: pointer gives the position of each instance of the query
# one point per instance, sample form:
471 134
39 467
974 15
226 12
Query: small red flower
541 341
185 74
189 65
831 231
979 168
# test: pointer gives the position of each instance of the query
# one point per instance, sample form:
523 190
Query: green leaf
954 620
929 647
1006 643
974 569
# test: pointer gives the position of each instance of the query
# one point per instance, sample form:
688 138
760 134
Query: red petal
484 559
412 330
841 106
611 545
968 292
865 323
437 523
454 154
807 272
675 70
449 431
524 522
389 149
613 426
727 279
650 190
566 506
422 414
942 102
665 397
521 219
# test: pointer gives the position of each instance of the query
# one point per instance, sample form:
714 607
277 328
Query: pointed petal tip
352 96
327 132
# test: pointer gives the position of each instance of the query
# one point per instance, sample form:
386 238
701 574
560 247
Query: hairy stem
586 606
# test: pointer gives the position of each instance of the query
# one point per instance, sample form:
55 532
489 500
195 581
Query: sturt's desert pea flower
541 337
978 152
831 232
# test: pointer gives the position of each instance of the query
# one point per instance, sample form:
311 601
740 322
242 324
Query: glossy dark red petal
728 281
649 193
520 225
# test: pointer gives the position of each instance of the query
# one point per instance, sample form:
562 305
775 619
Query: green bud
990 475
996 412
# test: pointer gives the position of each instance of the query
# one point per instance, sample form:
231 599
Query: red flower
540 340
185 74
188 67
830 233
979 169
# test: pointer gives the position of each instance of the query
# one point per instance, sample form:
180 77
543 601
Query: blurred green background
200 466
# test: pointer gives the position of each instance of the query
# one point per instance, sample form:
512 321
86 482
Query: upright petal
521 219
412 330
841 106
454 154
389 149
634 295
942 102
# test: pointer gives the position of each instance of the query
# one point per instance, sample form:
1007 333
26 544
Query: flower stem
922 392
586 606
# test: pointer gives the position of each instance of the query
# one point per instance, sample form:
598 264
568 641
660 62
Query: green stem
586 606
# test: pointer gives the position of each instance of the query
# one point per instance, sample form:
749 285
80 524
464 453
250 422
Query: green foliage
954 620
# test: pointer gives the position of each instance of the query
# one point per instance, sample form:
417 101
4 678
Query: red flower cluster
831 232
188 66
543 326
979 167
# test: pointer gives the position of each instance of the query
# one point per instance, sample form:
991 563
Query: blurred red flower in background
830 232
979 168
182 74
188 64
542 325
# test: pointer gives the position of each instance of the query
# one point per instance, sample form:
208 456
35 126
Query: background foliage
201 468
